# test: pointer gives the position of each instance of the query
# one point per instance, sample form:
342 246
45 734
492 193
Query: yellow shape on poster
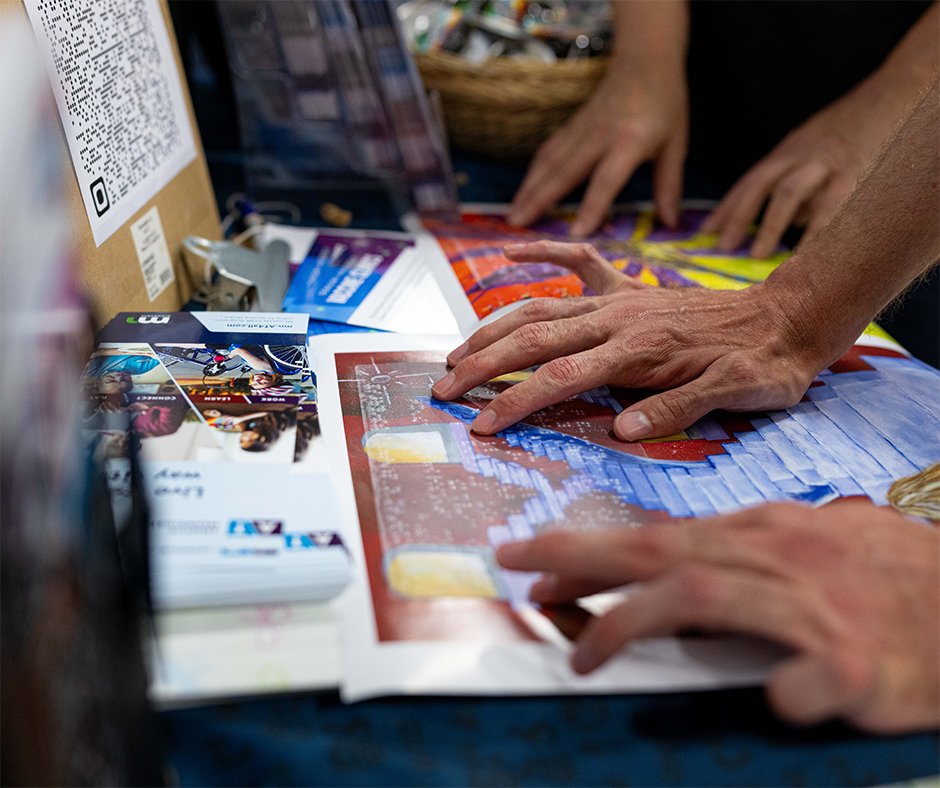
426 573
406 447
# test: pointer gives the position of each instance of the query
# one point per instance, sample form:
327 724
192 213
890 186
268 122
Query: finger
792 191
667 179
553 175
529 345
673 411
592 268
556 380
537 310
708 598
538 171
741 205
615 557
607 180
811 688
553 589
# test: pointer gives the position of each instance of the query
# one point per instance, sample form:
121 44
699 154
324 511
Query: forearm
650 31
883 238
913 62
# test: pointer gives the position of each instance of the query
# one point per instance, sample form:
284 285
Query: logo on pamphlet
316 539
149 319
99 197
250 527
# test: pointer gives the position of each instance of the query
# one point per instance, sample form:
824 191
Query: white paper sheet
120 99
207 654
373 668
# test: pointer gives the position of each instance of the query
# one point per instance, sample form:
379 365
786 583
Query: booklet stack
223 407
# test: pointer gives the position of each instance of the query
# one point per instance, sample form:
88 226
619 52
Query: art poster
481 285
431 501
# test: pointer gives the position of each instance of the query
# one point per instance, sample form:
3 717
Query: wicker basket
506 107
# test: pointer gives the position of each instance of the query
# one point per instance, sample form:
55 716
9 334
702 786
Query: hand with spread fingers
853 590
639 113
806 177
632 118
737 350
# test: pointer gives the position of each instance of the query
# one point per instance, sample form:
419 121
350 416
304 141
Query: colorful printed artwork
435 499
190 401
633 241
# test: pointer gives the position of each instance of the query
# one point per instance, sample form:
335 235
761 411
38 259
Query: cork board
111 273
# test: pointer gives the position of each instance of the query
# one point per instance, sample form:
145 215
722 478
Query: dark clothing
757 70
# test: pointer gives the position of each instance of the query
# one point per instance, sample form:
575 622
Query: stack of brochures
223 407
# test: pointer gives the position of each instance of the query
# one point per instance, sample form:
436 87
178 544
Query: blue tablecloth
707 738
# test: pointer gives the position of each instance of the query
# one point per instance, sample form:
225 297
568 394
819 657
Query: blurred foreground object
329 101
74 708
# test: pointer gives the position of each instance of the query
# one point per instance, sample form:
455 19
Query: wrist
815 326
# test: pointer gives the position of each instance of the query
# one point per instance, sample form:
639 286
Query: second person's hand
632 118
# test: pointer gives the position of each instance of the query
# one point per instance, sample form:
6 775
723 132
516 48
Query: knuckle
654 542
513 402
745 372
565 372
548 154
585 251
537 310
789 189
700 590
672 407
533 337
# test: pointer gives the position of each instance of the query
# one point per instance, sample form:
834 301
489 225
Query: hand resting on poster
745 350
733 349
853 590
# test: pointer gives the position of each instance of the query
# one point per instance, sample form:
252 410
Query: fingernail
511 554
513 248
444 385
484 423
633 425
457 354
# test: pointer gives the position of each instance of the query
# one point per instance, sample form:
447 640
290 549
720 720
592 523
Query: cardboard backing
110 274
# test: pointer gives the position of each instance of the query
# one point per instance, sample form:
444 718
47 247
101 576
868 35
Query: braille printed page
120 98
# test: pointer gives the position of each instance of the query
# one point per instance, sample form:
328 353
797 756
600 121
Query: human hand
741 350
806 177
852 589
638 113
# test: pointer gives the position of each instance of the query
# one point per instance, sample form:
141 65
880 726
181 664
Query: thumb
667 413
809 689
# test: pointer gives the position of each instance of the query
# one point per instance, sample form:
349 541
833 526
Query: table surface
707 738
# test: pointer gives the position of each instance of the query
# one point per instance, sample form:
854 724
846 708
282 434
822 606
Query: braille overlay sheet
425 502
120 98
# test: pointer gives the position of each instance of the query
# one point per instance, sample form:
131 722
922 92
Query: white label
153 253
253 322
120 99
